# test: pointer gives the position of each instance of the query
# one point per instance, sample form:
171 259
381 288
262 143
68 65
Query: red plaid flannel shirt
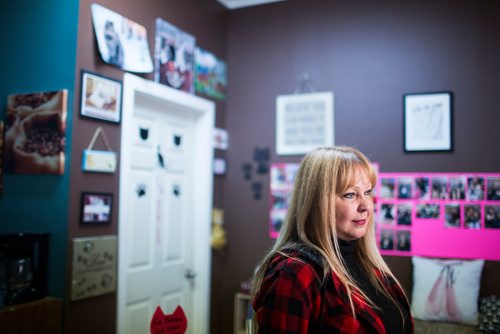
293 298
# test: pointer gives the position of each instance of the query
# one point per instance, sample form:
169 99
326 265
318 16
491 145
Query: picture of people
472 216
387 188
439 188
96 207
283 175
35 133
457 187
210 74
492 216
422 188
475 188
386 239
277 219
452 215
404 213
405 186
121 42
403 240
442 206
174 56
387 213
493 186
428 211
279 200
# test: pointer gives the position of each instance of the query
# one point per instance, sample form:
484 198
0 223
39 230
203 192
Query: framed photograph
304 122
96 208
428 122
101 97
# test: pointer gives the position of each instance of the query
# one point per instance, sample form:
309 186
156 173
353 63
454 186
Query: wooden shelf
241 305
39 316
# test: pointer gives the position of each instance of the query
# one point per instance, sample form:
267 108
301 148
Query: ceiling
234 4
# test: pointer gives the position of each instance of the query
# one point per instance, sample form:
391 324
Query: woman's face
353 208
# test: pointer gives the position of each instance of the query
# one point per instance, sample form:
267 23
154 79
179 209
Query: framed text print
304 122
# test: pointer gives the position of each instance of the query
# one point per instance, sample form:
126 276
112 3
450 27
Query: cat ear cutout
175 323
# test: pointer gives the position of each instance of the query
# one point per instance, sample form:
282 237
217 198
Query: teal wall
39 54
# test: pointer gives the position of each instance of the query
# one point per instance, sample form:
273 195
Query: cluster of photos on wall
405 202
456 201
178 62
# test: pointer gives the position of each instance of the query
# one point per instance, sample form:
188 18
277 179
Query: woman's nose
362 206
365 204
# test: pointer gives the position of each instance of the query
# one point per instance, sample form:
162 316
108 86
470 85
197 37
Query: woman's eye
368 192
350 195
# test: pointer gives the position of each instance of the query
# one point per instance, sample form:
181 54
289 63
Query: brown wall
207 21
368 54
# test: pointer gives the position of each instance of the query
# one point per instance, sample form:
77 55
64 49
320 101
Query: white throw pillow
446 290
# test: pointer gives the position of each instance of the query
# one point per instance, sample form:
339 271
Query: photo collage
466 202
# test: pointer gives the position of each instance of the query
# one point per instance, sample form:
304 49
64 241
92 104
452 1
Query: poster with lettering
304 122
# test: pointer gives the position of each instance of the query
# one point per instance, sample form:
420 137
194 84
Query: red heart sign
175 323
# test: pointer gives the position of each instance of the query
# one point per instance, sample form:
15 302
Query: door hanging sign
97 160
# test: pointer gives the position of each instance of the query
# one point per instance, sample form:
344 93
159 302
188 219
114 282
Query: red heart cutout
175 323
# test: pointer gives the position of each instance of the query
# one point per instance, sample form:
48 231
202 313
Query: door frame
203 113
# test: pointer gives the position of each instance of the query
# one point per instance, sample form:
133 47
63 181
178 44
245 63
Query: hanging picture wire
304 85
99 131
97 160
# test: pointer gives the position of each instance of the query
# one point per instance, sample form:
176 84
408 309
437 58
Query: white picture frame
428 122
304 122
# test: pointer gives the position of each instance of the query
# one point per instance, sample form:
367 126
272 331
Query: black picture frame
428 122
100 97
96 207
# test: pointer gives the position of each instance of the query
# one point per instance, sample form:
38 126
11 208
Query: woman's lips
360 221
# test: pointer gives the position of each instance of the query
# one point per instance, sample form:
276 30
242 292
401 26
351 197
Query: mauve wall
207 21
368 54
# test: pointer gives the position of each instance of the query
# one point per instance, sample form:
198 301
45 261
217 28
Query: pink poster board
282 178
448 215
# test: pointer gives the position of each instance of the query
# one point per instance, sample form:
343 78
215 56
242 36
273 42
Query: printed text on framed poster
304 122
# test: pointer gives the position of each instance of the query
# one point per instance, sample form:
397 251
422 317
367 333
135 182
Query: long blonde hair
325 173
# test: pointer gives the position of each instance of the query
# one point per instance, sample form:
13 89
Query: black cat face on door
177 140
176 190
144 133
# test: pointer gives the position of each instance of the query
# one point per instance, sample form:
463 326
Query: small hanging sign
175 323
96 160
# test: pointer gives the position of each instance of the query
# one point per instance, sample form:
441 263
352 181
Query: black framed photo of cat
101 97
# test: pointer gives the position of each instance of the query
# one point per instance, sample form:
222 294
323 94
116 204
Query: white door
165 204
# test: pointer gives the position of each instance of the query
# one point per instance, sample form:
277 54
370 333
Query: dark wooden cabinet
43 316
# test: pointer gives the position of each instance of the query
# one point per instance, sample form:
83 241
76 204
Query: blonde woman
325 273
